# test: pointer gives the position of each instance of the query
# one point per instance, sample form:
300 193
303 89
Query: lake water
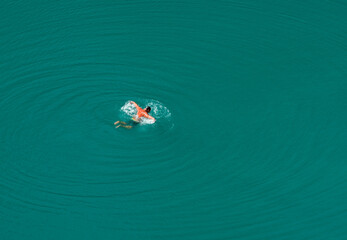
250 138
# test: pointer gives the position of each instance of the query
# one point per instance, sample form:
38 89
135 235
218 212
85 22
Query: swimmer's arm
137 106
150 117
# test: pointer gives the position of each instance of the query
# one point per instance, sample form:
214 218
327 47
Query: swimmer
140 113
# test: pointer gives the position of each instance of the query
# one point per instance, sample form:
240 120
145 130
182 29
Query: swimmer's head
148 109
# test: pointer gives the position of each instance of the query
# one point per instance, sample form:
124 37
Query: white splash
129 109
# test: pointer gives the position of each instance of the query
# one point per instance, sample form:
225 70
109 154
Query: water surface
250 138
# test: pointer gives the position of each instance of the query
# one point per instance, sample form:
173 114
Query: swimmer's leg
124 126
119 122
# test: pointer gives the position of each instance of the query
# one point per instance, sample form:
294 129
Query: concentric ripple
250 137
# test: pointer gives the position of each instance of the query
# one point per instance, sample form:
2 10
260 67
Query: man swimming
140 113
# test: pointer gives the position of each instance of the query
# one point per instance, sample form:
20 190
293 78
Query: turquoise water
250 139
